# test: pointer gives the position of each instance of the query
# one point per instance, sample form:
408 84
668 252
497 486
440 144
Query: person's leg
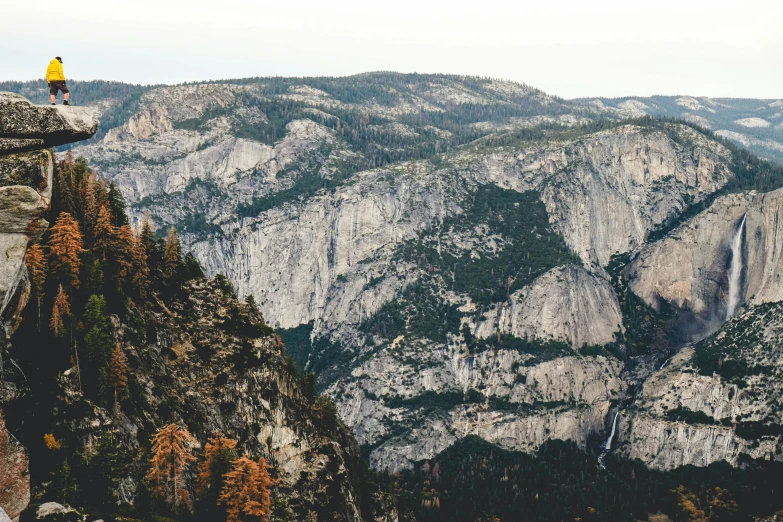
52 92
66 92
52 98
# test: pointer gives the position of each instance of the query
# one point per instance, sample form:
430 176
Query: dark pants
58 86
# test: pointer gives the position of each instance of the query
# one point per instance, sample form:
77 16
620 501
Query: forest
474 480
92 275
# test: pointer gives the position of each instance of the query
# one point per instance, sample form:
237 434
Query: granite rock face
330 261
333 262
689 268
27 132
25 126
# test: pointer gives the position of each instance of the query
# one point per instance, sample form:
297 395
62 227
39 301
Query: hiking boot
54 103
66 102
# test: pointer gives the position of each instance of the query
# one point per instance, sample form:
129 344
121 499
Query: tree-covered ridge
136 361
477 481
754 123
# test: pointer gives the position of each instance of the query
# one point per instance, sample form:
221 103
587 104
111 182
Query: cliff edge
27 135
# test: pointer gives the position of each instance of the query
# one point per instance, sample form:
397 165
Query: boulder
54 512
25 126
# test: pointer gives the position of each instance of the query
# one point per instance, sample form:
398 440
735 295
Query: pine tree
219 453
60 311
172 255
103 234
98 345
147 235
37 269
245 492
118 372
170 458
117 206
65 247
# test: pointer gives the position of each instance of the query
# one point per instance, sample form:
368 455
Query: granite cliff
444 251
27 135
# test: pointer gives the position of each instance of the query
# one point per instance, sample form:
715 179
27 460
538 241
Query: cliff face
344 267
27 134
688 269
473 292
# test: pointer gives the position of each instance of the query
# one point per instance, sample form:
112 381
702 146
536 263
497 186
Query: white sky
570 48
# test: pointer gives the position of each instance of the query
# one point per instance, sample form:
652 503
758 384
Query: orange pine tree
118 372
103 234
37 268
172 254
65 247
60 311
245 492
170 458
218 455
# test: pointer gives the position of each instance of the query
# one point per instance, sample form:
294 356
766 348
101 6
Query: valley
466 264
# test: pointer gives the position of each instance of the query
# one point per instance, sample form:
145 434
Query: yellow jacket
54 73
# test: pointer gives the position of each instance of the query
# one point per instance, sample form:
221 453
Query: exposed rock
54 125
52 509
567 304
688 269
14 475
25 192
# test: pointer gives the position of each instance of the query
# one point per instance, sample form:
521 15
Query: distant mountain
456 256
755 124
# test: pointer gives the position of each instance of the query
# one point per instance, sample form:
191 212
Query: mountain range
463 260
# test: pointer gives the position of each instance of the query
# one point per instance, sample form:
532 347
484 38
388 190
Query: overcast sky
570 48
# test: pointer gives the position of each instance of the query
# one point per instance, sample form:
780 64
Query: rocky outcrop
566 304
27 132
25 126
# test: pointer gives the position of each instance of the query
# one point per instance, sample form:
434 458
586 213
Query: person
56 80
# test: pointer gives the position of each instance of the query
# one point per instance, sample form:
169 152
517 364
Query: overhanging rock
24 126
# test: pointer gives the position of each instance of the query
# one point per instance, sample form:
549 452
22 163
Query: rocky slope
435 248
27 134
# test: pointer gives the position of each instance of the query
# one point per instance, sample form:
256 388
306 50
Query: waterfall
608 445
735 270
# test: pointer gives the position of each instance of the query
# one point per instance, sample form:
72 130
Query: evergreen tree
60 311
65 247
147 235
98 345
172 255
103 234
245 492
190 268
117 206
118 373
37 268
219 453
170 458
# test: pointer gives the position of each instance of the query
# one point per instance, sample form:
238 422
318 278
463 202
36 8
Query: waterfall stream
735 270
608 444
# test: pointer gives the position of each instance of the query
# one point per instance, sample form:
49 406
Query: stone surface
14 475
566 304
55 125
688 269
49 509
26 169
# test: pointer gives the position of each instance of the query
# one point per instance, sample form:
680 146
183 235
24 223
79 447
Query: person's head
58 59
